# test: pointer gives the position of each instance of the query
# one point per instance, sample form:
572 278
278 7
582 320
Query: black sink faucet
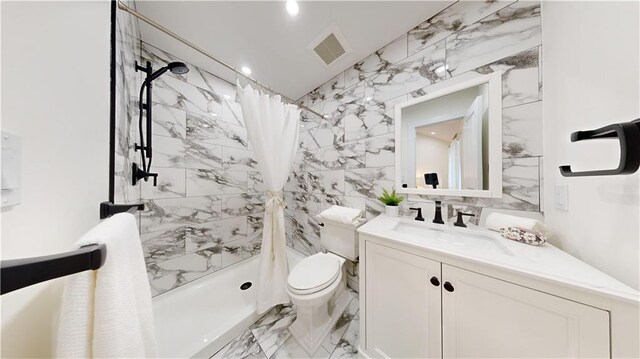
438 216
419 216
459 222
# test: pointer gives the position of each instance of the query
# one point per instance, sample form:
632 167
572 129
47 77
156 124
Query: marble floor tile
272 335
348 345
339 329
271 330
291 349
243 347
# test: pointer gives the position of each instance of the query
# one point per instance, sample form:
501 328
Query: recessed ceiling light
227 97
368 98
433 133
246 70
214 114
292 7
326 116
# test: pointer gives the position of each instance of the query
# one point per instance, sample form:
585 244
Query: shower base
198 319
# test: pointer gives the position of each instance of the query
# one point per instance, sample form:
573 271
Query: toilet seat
314 274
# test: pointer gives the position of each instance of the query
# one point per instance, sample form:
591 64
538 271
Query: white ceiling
261 35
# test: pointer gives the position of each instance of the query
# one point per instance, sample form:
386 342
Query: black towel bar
628 135
20 273
108 209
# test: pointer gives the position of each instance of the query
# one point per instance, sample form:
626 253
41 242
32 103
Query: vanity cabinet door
487 317
402 305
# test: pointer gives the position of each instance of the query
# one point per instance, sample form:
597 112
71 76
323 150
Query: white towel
107 313
341 214
495 221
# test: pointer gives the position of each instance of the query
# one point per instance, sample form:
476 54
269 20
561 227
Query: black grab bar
628 136
20 273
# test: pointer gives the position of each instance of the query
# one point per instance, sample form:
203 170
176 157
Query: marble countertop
544 262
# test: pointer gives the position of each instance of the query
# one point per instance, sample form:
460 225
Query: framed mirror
449 142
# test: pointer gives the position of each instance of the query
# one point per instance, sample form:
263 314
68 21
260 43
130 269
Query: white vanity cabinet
490 318
403 307
419 300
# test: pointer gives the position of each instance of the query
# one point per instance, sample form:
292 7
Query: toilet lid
314 273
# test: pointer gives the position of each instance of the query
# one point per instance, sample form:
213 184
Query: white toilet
318 285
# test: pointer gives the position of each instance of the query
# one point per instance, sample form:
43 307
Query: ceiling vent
330 45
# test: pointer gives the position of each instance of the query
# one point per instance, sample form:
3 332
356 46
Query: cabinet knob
435 281
448 287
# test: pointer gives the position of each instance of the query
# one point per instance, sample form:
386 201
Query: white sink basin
464 239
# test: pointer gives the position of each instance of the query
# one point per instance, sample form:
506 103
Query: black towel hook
628 135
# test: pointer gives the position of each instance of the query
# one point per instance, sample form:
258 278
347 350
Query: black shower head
178 68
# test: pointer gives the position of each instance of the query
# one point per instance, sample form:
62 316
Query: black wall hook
628 135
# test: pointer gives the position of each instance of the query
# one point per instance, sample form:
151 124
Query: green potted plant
391 202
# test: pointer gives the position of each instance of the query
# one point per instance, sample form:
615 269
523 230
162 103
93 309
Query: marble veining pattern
206 211
270 338
450 20
345 158
508 31
467 39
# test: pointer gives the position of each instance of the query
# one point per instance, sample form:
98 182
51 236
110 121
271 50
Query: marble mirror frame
494 81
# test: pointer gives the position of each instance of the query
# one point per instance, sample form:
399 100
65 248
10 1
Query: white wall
55 95
591 79
432 155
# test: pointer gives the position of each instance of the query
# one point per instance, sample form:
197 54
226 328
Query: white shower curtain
455 165
272 129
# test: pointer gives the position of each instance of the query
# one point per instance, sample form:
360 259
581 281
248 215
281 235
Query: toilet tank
340 238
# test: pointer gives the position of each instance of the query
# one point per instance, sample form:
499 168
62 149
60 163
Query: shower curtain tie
275 200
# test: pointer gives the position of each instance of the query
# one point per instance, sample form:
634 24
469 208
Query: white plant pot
391 211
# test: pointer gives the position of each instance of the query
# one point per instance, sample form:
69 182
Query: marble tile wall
347 156
206 212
